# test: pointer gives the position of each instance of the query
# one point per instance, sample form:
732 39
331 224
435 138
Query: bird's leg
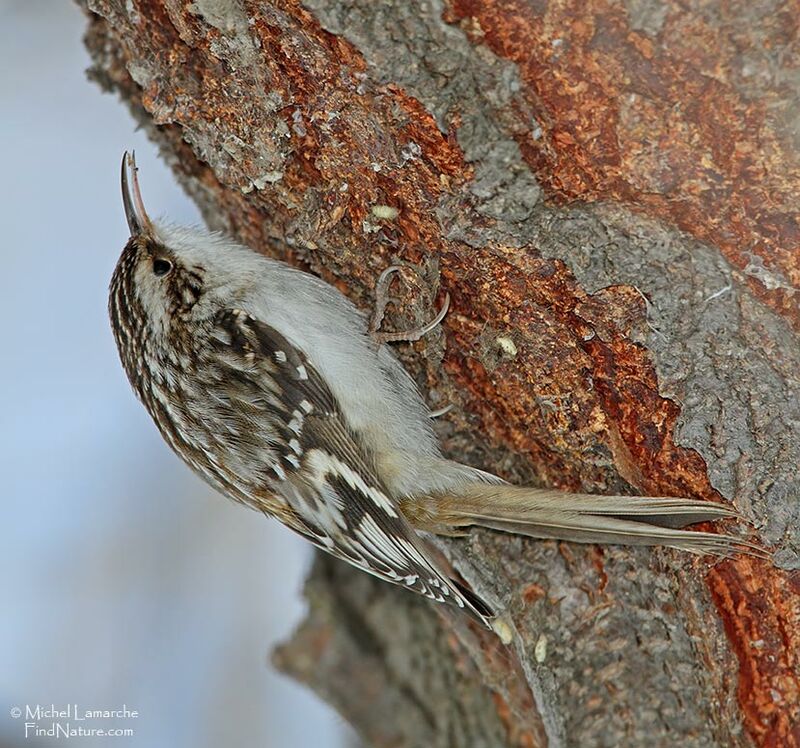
382 299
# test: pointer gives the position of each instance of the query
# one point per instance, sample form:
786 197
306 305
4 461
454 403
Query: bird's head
169 277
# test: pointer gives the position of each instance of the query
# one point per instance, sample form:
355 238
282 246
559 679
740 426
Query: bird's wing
326 473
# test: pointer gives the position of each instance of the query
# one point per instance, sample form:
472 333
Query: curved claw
440 411
383 278
416 333
382 297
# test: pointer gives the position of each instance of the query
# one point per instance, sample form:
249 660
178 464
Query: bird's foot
382 300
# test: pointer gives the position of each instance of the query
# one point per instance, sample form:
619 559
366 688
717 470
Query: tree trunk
609 193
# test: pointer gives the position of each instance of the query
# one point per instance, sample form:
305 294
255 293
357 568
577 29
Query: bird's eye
161 266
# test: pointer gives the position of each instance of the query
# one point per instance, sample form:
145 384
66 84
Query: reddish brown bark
676 123
608 193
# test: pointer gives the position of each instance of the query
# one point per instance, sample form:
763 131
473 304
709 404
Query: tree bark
609 192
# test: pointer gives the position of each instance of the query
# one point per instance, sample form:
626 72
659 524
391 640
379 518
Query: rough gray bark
613 190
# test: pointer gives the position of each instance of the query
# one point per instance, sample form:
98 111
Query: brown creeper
275 388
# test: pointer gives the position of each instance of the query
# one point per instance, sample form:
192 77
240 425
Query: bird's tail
581 518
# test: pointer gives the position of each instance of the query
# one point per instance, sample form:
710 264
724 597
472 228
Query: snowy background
127 581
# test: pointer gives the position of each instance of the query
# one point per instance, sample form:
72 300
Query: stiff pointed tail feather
580 518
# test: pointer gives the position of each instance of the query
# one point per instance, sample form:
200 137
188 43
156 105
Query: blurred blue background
127 580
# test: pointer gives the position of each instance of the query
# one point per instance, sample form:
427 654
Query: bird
273 387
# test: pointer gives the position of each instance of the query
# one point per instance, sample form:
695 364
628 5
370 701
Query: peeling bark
608 191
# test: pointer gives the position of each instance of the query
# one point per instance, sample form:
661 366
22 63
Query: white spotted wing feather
326 475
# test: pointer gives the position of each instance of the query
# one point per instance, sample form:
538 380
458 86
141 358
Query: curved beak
138 220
